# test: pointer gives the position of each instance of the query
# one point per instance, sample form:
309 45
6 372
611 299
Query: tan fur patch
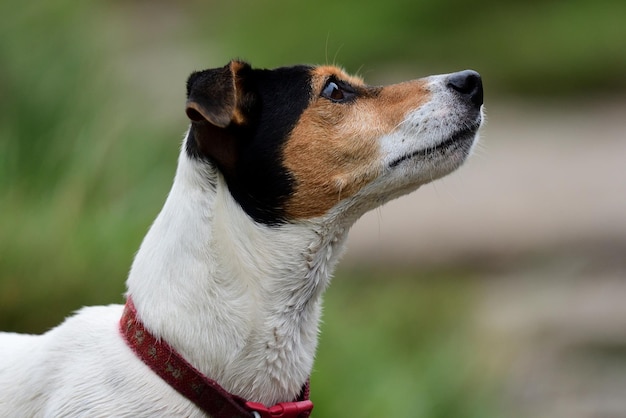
235 67
333 151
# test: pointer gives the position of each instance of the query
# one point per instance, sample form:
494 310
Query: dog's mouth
461 138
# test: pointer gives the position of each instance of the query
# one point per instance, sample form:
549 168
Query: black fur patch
274 101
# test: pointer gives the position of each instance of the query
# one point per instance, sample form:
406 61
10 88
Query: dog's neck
241 301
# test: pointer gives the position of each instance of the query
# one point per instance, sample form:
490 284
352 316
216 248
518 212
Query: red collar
207 394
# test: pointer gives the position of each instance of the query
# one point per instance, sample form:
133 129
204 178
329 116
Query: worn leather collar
206 393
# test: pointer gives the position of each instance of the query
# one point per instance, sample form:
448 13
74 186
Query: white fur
239 300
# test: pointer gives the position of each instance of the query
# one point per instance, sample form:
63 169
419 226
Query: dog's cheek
331 154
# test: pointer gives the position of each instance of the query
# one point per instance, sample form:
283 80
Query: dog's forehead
320 74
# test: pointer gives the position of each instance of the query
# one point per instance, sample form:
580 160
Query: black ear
212 95
216 101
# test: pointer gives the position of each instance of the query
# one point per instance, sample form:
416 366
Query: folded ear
212 95
215 100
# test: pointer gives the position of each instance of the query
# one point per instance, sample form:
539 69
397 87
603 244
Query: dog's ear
217 103
215 95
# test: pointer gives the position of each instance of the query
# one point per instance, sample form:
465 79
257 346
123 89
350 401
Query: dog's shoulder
81 365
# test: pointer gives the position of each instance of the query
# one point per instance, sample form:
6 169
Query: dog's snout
469 84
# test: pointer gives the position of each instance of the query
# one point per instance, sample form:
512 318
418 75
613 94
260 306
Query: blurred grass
533 48
399 344
76 198
90 128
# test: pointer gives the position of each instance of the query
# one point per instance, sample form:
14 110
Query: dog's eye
333 92
336 92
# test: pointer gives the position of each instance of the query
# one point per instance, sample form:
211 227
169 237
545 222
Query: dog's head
295 142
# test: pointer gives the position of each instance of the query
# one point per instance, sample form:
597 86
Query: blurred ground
541 209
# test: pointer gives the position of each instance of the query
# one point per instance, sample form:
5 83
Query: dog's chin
451 147
414 169
407 173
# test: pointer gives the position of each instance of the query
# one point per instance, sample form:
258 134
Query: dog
227 284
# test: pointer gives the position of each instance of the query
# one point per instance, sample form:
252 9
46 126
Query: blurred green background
91 119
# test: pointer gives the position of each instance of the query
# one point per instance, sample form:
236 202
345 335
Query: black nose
469 84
